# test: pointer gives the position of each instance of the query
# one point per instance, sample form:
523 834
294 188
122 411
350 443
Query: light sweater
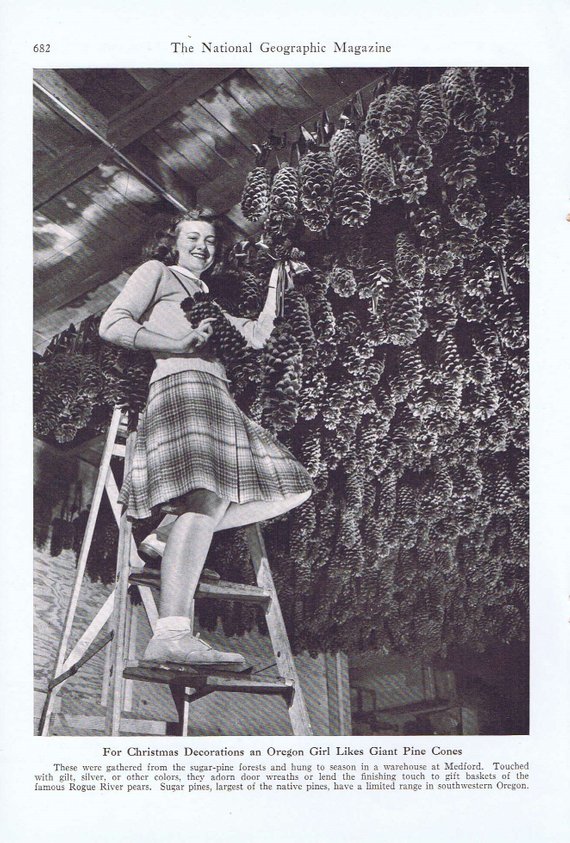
151 299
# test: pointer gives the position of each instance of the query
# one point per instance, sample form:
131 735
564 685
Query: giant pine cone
433 120
351 203
465 108
494 86
316 179
255 196
399 111
283 202
345 152
377 174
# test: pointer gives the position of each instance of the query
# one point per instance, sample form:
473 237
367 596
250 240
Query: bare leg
186 549
184 557
240 514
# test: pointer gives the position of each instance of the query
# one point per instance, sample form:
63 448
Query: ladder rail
113 718
298 712
104 468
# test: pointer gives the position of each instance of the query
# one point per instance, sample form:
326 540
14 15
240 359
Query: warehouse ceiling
188 136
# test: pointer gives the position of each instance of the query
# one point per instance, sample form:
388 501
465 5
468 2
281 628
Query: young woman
195 449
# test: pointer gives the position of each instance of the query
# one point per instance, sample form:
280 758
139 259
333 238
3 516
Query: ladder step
220 590
119 450
96 723
208 680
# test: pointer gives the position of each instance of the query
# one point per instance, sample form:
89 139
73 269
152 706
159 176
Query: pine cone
252 294
516 216
409 263
441 319
351 246
468 209
411 366
433 120
509 320
460 170
311 451
449 360
348 324
449 400
413 159
351 204
494 86
465 109
516 393
479 368
255 196
373 122
480 402
298 317
426 222
316 179
403 320
485 141
314 385
399 110
495 233
439 259
342 281
517 163
283 202
315 220
323 321
282 385
345 152
516 271
377 174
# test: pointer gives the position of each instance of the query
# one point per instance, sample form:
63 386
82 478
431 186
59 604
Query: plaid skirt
192 435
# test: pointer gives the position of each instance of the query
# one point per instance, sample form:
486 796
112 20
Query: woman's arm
146 340
120 324
257 331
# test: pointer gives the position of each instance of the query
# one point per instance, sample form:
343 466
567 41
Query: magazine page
288 555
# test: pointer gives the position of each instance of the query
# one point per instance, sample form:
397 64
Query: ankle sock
173 623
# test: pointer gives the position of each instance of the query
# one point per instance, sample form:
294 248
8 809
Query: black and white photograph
283 431
281 401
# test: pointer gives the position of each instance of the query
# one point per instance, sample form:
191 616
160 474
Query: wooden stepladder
186 683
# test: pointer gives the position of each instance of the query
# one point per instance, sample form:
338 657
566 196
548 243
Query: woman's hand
146 340
196 338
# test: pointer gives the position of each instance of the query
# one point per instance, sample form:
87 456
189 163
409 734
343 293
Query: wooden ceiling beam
161 102
128 125
52 82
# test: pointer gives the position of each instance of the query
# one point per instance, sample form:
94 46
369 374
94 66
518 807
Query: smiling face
196 245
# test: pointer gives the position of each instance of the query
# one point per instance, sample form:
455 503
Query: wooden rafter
145 113
52 82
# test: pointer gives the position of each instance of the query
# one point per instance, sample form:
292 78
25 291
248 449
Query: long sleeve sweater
151 299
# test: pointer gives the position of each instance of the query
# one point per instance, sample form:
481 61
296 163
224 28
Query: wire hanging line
115 151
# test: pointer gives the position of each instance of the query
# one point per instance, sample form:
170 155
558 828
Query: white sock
174 623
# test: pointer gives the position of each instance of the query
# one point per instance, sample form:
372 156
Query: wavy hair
161 243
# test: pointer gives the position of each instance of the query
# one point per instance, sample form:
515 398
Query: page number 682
42 48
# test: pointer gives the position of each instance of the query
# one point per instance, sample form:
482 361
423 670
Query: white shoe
182 647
